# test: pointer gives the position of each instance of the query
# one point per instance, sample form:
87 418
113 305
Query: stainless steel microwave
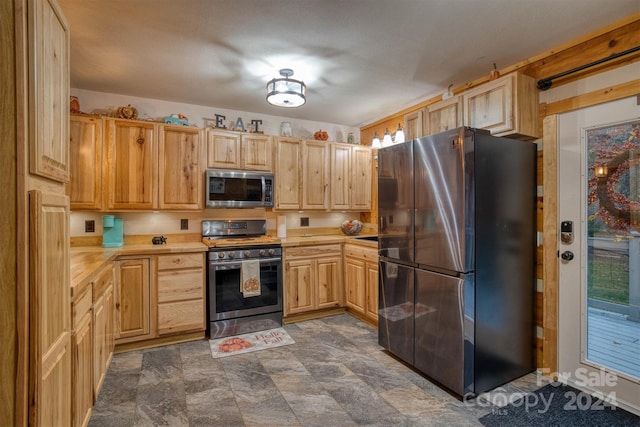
238 189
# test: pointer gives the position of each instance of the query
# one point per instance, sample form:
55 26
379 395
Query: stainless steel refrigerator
457 257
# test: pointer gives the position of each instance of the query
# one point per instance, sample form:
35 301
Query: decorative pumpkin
321 135
127 112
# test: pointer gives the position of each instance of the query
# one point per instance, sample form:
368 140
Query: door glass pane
613 247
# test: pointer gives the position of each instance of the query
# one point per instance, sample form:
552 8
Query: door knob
567 255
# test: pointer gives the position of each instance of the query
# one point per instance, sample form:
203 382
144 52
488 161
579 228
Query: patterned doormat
246 343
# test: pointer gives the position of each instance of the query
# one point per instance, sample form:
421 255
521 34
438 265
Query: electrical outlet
89 226
304 221
184 224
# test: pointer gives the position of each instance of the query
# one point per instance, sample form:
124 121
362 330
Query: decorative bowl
351 227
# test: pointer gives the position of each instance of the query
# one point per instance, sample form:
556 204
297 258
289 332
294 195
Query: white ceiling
361 59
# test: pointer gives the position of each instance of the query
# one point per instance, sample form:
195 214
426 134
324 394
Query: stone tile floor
334 375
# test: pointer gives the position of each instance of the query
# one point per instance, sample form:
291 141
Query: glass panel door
613 247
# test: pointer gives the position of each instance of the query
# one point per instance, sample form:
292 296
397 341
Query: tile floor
335 375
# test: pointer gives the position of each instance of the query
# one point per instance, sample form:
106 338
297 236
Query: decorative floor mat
246 343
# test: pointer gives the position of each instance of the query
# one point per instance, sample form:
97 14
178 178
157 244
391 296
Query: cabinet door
82 371
131 165
412 125
133 299
360 182
354 279
110 309
288 166
315 175
223 149
371 306
490 106
328 283
85 148
257 153
50 306
443 116
49 91
99 344
299 292
180 171
340 176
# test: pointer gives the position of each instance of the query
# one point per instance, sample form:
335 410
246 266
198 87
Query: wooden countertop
87 261
325 240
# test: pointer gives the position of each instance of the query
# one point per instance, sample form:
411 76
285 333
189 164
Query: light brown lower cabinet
312 278
93 324
181 293
82 344
103 320
361 280
133 299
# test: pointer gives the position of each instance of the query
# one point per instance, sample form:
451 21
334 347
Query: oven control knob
272 251
220 254
262 252
232 255
247 254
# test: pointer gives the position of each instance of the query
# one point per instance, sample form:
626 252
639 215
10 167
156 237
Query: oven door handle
237 265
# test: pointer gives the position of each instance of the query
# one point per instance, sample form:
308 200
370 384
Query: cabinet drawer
181 316
176 261
361 252
81 306
180 285
104 279
310 251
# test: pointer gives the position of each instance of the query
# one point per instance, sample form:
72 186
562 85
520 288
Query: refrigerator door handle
383 223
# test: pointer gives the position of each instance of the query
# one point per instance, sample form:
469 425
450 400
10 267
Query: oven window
235 189
229 297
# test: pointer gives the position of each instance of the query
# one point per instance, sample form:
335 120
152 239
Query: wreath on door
616 149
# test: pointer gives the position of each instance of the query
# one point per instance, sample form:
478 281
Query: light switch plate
304 221
89 226
184 224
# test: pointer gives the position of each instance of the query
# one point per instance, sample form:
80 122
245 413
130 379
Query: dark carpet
559 405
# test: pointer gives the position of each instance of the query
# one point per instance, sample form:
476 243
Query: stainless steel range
236 248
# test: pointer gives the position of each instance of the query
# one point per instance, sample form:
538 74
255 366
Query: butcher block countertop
87 261
309 240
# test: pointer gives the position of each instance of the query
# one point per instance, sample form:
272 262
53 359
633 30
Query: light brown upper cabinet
85 186
340 176
132 173
256 152
315 175
350 177
507 107
235 150
151 166
443 115
302 169
360 187
288 167
49 91
180 164
413 123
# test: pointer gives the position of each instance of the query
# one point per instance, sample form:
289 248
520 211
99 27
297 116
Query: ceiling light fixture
286 92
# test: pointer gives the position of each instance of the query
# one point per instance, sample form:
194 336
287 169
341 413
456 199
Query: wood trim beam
550 247
607 94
